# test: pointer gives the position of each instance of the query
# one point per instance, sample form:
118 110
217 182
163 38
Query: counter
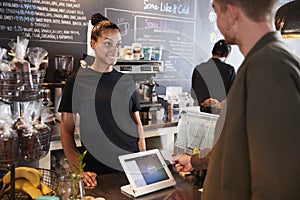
158 134
151 130
109 188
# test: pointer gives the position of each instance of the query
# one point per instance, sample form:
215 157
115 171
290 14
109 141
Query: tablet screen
146 170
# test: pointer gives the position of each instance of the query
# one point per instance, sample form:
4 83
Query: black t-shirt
104 102
212 79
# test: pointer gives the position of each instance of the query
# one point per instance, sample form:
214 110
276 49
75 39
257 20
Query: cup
128 53
137 54
147 53
157 51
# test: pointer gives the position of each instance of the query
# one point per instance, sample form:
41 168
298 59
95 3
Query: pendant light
287 19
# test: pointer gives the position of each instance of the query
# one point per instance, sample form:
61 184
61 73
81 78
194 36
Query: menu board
170 24
58 26
178 26
43 20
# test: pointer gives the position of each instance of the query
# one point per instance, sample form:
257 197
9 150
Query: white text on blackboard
167 8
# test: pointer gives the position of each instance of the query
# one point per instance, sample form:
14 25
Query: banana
24 185
34 170
45 189
31 174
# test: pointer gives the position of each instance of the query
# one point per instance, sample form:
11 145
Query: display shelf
20 140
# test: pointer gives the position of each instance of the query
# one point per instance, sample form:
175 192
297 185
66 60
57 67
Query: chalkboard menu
171 24
181 27
43 20
58 26
186 29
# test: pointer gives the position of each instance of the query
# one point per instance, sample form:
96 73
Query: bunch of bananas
28 180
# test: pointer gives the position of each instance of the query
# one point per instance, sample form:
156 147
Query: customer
213 79
257 154
107 105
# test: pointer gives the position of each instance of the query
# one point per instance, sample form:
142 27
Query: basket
50 178
36 146
26 148
20 86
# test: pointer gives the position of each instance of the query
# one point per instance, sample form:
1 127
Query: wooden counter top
108 187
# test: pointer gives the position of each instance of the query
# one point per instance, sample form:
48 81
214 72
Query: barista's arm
140 129
67 127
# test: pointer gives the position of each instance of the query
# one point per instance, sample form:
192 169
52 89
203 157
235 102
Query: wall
186 30
180 26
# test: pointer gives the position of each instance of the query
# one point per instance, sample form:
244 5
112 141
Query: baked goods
8 145
211 106
34 141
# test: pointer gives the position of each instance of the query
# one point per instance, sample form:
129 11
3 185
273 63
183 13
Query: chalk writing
166 7
42 16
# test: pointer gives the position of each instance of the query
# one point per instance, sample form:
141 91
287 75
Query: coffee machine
143 73
63 68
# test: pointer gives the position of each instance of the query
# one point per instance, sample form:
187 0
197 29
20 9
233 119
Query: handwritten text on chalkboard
167 7
59 21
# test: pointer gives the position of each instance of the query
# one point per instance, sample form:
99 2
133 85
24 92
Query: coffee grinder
63 68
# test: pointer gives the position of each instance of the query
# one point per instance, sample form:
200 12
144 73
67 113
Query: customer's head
221 49
105 40
256 10
238 20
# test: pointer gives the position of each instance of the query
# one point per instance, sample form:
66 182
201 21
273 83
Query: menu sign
61 27
170 7
170 24
58 21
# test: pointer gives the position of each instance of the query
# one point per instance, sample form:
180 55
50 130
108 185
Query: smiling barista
107 104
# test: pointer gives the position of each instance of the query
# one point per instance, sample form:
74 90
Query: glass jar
71 188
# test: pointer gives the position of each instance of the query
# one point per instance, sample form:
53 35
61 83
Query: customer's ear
92 43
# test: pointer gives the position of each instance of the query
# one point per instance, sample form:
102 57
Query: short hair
100 24
221 49
256 10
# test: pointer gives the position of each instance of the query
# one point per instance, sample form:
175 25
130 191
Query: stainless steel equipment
63 68
143 73
140 66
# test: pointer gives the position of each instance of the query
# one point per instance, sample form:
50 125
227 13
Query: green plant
79 169
76 175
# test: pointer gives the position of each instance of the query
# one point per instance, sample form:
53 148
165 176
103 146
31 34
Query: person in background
257 153
213 79
107 105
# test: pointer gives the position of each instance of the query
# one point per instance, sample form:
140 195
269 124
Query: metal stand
15 99
12 182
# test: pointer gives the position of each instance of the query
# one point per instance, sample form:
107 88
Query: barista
107 104
213 79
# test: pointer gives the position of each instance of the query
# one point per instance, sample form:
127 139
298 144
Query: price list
57 21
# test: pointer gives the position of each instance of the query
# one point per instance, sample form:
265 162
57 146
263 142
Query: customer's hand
89 179
182 163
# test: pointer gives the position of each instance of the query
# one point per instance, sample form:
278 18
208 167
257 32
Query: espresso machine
143 73
63 68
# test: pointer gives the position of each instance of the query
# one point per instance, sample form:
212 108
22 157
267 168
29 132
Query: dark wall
58 26
186 29
61 28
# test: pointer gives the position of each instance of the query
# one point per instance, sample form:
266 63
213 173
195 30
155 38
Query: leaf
81 165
